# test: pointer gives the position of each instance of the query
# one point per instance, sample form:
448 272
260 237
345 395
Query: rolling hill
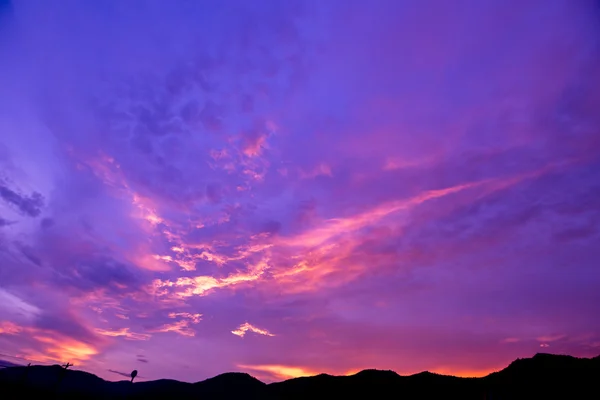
542 376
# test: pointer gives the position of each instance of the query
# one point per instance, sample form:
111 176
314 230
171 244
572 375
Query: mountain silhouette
542 376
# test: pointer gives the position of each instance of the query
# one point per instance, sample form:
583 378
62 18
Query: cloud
193 318
65 323
201 285
28 205
9 328
4 222
124 332
65 350
552 338
13 305
182 326
92 272
245 327
46 345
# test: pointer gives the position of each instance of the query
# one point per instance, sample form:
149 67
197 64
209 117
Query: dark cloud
4 222
29 205
64 322
30 254
213 192
47 223
89 272
271 227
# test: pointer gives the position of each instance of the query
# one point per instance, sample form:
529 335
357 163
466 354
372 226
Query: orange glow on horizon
280 371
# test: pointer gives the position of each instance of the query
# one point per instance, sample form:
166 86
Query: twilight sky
292 187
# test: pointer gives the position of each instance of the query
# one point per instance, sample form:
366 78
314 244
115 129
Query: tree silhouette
133 375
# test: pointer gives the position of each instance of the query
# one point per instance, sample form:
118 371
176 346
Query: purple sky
293 187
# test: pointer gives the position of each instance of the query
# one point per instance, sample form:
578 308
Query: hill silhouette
542 376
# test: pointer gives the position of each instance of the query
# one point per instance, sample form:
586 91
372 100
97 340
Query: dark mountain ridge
542 376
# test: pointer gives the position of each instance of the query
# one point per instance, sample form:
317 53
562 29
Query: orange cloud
201 285
318 257
186 260
324 256
182 326
280 372
186 265
54 347
245 327
194 318
320 267
216 258
335 227
65 349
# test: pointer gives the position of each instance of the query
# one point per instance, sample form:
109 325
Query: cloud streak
245 327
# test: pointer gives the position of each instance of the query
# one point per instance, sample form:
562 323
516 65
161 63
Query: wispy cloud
182 326
245 327
123 332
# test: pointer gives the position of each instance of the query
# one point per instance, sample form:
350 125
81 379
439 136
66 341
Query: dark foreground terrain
543 376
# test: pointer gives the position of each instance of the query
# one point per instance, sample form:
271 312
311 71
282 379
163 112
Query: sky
286 188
